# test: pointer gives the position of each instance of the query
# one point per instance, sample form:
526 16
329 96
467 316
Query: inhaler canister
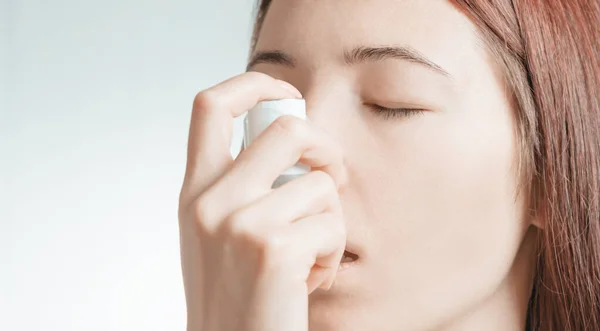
262 115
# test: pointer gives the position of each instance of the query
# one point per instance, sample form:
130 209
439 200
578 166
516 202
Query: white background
95 104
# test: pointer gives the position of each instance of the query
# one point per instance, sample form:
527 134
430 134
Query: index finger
211 125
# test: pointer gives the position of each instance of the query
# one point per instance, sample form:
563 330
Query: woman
461 141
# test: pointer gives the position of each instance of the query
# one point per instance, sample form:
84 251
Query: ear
537 217
538 223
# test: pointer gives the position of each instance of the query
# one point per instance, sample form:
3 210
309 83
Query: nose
329 110
333 113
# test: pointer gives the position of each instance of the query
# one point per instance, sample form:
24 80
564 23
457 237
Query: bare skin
422 194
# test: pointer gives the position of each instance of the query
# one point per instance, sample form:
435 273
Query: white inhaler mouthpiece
262 115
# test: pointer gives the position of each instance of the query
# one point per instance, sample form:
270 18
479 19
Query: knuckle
271 251
290 125
267 247
202 213
205 101
325 181
271 244
201 208
236 225
329 192
335 204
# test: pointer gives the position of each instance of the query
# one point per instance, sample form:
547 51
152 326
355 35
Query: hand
252 254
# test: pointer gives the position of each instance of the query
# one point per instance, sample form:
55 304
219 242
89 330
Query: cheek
447 166
462 187
445 209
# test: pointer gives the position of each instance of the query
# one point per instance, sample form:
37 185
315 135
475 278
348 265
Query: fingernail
331 283
289 87
324 283
326 286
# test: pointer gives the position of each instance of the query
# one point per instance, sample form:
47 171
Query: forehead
318 31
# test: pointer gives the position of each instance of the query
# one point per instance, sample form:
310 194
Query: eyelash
394 113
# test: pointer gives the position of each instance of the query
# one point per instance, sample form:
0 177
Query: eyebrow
355 56
374 54
271 57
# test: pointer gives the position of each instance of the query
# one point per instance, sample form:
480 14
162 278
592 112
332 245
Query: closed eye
395 113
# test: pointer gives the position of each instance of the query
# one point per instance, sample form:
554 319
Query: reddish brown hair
549 51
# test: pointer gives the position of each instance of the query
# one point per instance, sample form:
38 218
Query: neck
506 308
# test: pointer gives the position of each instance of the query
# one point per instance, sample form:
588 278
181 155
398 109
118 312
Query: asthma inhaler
262 115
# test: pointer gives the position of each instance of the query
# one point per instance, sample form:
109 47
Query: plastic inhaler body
262 115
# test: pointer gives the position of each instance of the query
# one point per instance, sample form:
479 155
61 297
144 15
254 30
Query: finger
310 194
318 277
309 249
319 241
211 122
285 142
279 147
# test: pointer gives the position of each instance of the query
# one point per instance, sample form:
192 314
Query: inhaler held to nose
262 115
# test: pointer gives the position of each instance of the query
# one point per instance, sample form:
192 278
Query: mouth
348 260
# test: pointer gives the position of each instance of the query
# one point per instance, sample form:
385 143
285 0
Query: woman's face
431 205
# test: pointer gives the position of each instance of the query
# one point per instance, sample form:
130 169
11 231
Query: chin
328 320
329 311
342 310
